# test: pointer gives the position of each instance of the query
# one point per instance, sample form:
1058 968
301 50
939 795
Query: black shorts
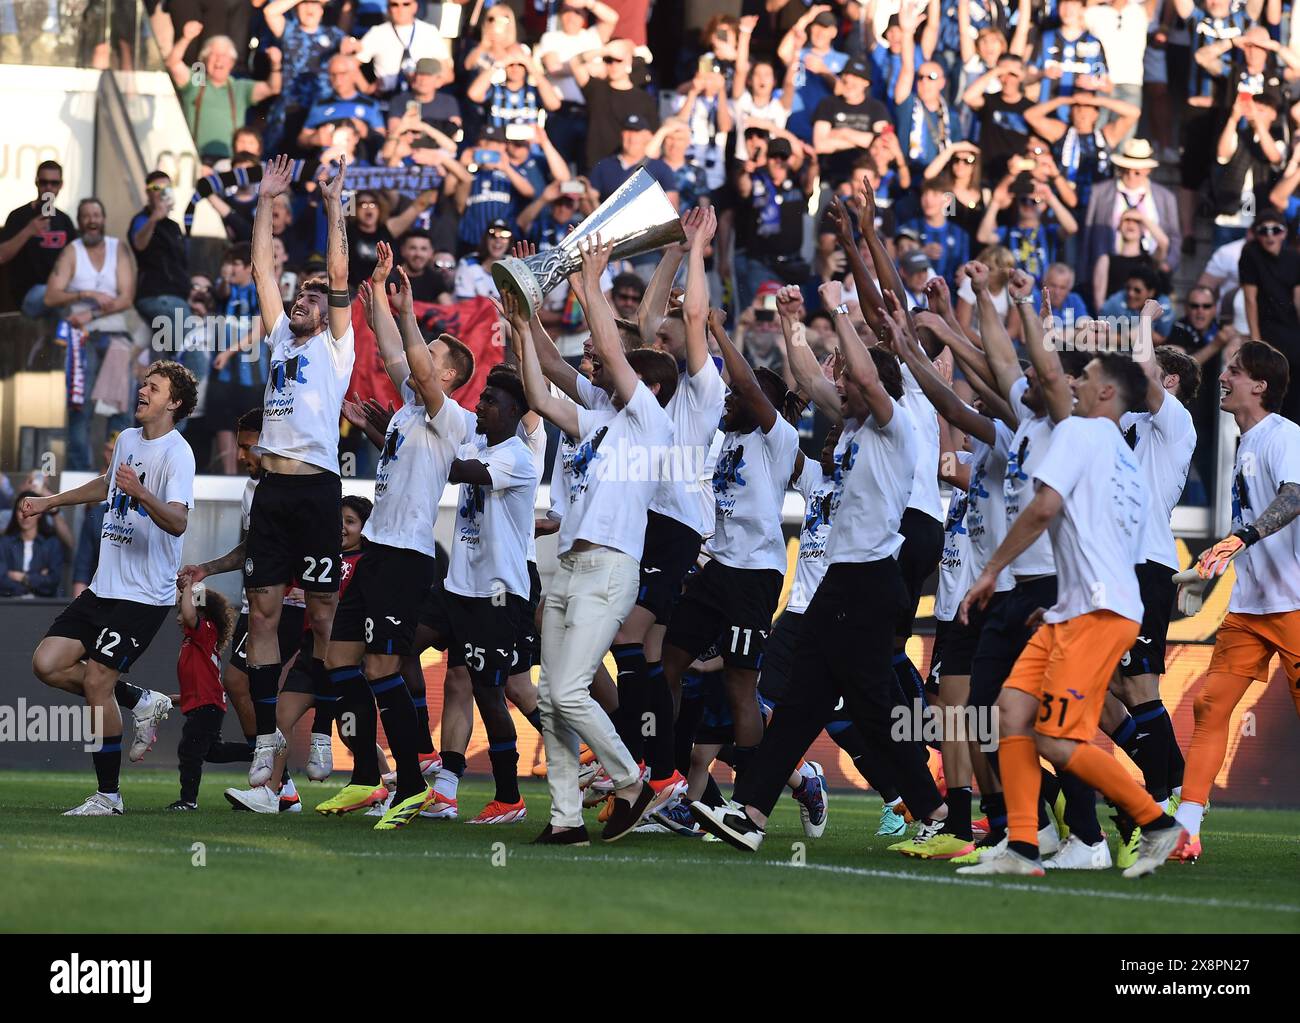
295 531
380 606
918 559
433 615
670 552
778 658
732 607
290 634
114 632
481 635
954 646
528 644
1159 592
1003 638
298 679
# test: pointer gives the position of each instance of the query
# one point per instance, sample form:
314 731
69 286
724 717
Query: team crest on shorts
248 566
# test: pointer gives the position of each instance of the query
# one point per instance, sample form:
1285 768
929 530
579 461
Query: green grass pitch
305 872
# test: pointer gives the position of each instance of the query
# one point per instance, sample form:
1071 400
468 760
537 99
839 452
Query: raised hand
838 215
717 321
595 254
832 293
399 294
33 507
383 263
378 416
332 188
354 413
978 275
866 205
367 296
700 224
1021 285
522 249
277 174
789 303
936 292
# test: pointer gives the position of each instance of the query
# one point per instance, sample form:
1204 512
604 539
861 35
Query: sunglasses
445 264
1268 230
49 183
1200 305
966 158
932 76
368 205
497 232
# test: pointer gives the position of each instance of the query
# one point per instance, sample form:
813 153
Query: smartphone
769 303
413 108
519 132
572 188
486 157
705 66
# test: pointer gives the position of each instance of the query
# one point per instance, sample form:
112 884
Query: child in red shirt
207 622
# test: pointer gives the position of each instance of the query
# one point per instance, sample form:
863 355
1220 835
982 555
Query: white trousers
590 594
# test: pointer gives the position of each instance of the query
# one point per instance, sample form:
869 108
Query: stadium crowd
963 171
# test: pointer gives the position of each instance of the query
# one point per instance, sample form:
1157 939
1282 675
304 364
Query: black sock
505 770
108 763
322 722
712 794
1154 733
689 715
994 806
1026 850
423 733
958 822
1080 809
661 747
398 715
1123 736
633 696
454 762
127 694
263 688
534 718
358 723
1176 762
741 758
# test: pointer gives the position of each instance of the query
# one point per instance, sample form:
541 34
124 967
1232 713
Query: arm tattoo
1283 509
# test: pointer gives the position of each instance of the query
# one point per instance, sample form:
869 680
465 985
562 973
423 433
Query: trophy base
514 275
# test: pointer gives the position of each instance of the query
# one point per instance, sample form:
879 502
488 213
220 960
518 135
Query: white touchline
828 868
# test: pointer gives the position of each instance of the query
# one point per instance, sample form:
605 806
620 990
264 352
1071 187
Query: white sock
446 784
288 790
116 797
1164 805
894 802
1189 816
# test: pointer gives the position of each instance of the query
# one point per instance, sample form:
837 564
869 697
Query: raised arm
388 337
695 307
1058 400
175 62
336 251
595 253
275 182
189 614
654 303
937 391
803 363
858 364
560 411
741 378
91 492
1027 528
999 351
869 300
419 360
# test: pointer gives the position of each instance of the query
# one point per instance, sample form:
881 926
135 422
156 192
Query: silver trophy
637 215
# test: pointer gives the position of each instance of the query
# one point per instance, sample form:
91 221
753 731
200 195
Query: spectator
758 333
1122 26
605 79
1133 189
1270 275
33 237
1001 263
393 47
214 103
1058 287
706 111
1038 221
626 294
945 243
1070 57
214 18
237 378
498 37
491 192
1199 333
432 274
93 284
557 49
1003 130
1251 154
523 143
612 171
514 91
769 222
1113 269
159 245
886 57
31 556
924 119
306 45
238 203
961 160
1142 286
1082 148
424 102
672 144
758 102
365 231
474 273
346 102
556 212
817 65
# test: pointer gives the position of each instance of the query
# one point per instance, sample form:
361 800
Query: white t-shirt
137 560
875 467
748 489
389 45
956 572
1165 442
1123 35
986 511
925 481
746 109
536 444
566 47
818 492
1030 443
412 472
1097 537
695 408
1225 263
489 550
1001 302
616 470
1268 573
304 394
